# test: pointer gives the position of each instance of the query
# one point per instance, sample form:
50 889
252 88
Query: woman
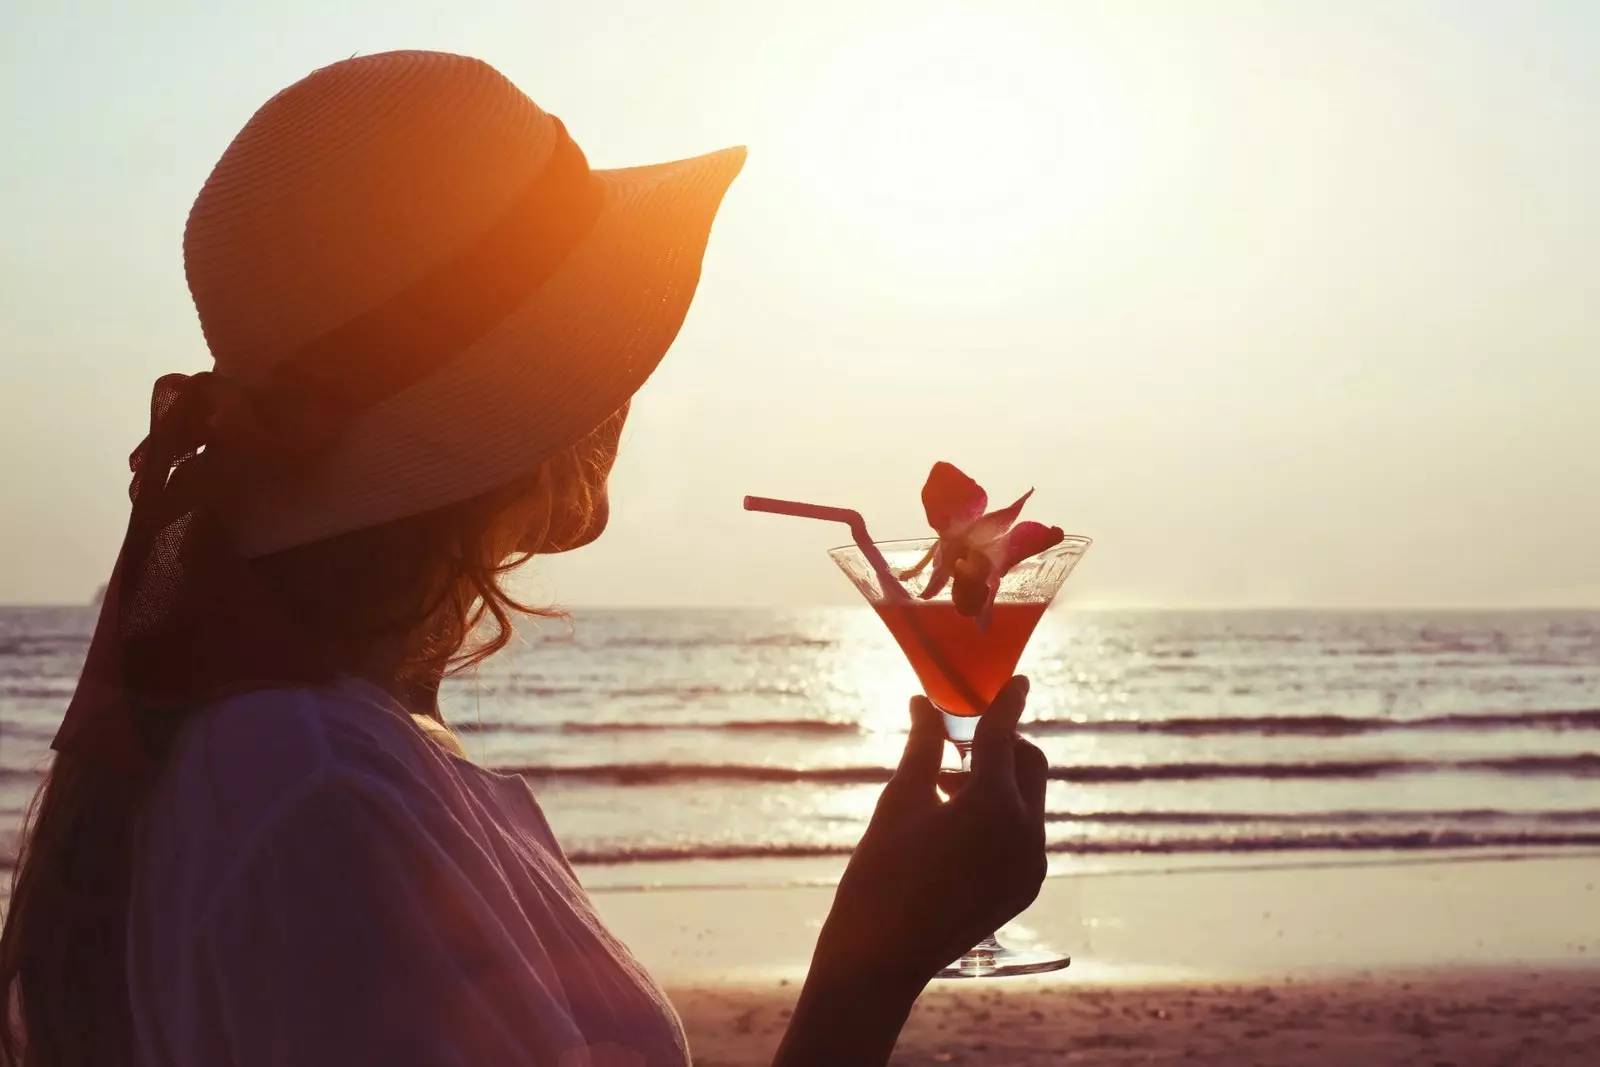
258 843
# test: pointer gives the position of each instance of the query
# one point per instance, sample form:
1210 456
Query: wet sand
1492 962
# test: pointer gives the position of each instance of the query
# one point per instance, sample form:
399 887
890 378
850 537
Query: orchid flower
975 549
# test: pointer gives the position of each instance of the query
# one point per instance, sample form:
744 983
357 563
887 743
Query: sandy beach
1457 961
1491 1019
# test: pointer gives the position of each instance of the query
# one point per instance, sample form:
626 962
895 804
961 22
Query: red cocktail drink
938 639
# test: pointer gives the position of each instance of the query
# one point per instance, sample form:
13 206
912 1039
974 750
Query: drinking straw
892 589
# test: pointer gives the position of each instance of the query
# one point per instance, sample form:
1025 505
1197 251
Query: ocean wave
36 690
1406 840
810 727
1556 817
668 773
534 689
1259 725
597 857
1582 765
1400 841
15 730
790 641
43 644
1325 725
691 690
720 641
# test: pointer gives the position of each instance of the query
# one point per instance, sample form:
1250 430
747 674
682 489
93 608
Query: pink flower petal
994 525
1028 539
952 500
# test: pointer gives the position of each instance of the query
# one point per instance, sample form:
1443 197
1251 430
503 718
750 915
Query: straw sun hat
410 235
415 290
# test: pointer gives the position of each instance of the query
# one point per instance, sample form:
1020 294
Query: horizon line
1100 607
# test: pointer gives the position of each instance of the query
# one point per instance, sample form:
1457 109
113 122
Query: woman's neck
421 699
390 671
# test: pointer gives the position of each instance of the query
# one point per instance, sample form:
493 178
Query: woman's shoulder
244 758
244 771
288 734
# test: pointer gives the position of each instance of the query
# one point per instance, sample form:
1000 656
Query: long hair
424 594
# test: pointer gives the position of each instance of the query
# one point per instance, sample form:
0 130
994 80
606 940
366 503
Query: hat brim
541 380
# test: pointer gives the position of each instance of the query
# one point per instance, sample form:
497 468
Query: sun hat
351 186
414 289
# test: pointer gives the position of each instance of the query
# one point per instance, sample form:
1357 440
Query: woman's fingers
993 765
1033 775
924 751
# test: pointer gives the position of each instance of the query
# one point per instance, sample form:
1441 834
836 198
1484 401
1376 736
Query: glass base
990 959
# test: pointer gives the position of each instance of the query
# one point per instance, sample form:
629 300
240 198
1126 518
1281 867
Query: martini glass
962 667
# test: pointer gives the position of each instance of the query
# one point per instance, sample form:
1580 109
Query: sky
1284 304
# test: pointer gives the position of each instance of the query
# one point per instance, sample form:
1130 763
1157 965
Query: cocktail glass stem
989 958
960 729
979 959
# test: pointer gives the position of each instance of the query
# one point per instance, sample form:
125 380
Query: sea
731 746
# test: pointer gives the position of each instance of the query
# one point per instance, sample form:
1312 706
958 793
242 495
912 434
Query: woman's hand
929 879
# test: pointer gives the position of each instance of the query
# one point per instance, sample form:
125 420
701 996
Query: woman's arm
845 1020
929 879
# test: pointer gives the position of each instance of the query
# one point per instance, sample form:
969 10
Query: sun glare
956 138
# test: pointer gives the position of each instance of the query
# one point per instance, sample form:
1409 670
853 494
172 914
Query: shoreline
799 872
1466 961
1206 924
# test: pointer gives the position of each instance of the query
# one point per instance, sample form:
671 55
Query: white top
321 884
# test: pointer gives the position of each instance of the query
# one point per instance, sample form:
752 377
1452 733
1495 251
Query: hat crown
345 188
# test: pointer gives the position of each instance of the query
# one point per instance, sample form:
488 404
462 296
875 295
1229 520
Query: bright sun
957 136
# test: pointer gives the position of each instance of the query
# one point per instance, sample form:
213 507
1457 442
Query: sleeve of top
350 935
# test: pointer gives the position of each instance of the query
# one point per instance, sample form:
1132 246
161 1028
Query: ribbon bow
264 432
184 615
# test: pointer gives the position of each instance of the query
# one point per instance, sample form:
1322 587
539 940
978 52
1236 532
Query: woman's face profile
569 531
572 529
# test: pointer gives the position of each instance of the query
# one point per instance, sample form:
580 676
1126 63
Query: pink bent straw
892 589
